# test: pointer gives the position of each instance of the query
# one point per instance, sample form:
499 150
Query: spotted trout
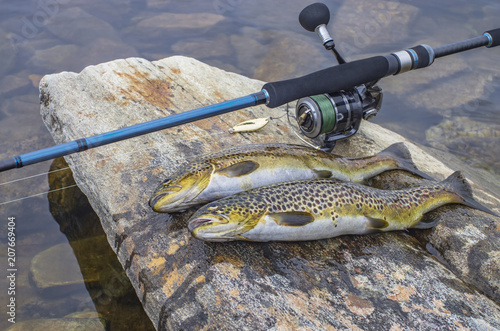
325 208
226 172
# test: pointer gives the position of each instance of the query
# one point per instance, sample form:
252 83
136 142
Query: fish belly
268 230
221 186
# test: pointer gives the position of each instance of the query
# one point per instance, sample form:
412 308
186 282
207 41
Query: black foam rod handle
495 36
328 80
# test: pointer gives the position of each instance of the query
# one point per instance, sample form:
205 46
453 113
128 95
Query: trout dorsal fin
401 153
398 150
239 169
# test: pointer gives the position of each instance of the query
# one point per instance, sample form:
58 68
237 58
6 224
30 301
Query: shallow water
452 106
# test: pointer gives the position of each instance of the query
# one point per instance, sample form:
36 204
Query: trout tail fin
400 152
457 184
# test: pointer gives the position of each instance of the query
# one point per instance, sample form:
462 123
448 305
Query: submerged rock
67 324
76 26
285 47
166 22
203 48
57 269
378 281
7 53
12 83
469 139
367 24
50 59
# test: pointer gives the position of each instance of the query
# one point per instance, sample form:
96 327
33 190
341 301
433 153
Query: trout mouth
174 198
204 220
162 192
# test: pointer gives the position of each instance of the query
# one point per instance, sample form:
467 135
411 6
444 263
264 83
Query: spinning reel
326 118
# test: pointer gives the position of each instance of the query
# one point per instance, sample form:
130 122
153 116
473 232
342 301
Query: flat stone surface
378 281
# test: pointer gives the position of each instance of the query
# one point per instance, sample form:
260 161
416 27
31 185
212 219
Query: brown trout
325 208
226 172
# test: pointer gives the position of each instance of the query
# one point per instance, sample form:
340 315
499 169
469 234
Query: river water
451 107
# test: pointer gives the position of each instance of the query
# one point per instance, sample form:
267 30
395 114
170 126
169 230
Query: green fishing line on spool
327 112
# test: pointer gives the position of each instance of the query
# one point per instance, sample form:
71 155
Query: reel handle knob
314 15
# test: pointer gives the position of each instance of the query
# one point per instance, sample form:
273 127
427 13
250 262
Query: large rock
397 280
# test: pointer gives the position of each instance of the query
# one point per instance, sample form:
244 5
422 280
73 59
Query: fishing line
35 195
32 176
295 132
107 158
69 186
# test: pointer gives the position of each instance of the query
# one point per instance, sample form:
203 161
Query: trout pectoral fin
323 173
292 218
376 223
239 169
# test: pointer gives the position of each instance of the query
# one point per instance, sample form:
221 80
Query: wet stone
382 281
109 11
202 48
285 47
11 83
68 324
50 59
7 53
450 81
77 57
249 48
177 21
470 139
49 269
76 26
103 50
364 25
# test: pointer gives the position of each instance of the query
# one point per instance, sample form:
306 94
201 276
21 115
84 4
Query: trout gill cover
229 171
325 208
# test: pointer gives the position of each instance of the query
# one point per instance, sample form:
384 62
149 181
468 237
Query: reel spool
329 113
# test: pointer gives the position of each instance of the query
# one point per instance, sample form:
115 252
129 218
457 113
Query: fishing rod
331 102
